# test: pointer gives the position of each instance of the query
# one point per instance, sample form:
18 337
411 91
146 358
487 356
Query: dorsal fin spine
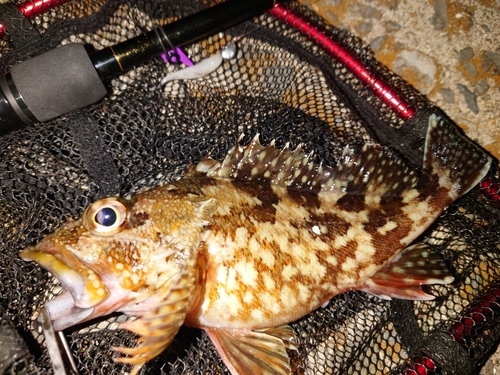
375 171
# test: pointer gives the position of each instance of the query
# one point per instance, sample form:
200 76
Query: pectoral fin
285 333
254 352
415 266
159 326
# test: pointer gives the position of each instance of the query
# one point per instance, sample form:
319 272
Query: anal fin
254 352
415 266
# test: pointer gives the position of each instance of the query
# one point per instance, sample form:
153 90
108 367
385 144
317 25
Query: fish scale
264 242
243 247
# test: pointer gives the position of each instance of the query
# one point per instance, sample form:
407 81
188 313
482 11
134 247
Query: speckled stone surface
448 49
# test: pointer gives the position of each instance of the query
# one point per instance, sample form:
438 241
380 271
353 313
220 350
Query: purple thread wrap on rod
182 56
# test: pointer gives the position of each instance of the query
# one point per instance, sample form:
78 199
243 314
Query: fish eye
106 217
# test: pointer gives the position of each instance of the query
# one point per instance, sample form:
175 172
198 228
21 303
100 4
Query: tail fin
458 162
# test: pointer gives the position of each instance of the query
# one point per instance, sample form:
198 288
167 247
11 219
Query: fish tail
457 161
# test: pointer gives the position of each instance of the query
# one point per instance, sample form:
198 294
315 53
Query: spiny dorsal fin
375 170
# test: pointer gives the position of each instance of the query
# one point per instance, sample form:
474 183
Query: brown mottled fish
244 247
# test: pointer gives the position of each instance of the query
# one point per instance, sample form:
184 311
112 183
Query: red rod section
382 90
33 8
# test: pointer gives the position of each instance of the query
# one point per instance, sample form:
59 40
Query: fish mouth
84 289
64 314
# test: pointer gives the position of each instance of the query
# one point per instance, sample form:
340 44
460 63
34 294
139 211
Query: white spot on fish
267 257
287 295
332 260
417 212
288 272
349 265
233 303
96 284
269 282
313 268
390 225
304 293
248 297
267 300
372 199
152 278
369 271
409 195
364 253
398 270
241 236
247 273
257 314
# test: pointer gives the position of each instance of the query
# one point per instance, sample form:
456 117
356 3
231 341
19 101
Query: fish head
120 253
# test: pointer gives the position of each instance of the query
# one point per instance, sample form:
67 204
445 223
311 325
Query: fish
244 247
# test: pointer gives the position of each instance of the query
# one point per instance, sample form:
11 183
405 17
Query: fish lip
62 310
70 308
85 286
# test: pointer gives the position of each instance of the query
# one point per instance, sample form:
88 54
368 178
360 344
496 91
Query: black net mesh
283 86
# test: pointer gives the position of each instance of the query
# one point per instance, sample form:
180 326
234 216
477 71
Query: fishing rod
68 78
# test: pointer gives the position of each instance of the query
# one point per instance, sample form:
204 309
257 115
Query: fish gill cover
282 86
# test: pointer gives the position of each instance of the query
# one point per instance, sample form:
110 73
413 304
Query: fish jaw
86 288
86 295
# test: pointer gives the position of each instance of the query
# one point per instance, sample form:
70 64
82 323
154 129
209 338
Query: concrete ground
447 49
